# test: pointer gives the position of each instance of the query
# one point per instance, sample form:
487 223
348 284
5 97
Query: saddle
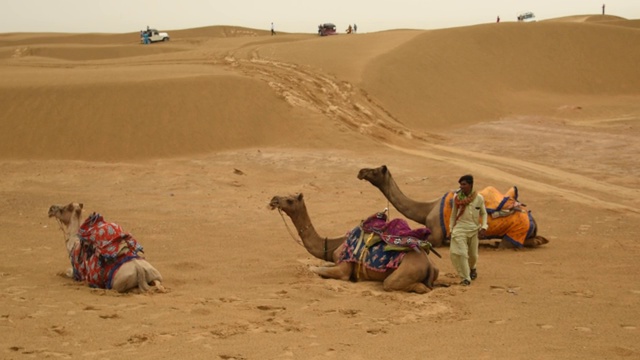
379 245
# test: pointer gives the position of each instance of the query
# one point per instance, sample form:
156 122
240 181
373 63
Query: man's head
466 184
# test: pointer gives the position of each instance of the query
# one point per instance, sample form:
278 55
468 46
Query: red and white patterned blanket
103 248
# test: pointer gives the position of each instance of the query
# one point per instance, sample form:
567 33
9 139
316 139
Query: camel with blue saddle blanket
509 220
375 250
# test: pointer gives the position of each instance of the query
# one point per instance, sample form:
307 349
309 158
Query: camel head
378 176
66 213
289 204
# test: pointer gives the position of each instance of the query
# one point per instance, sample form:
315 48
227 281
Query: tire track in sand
490 165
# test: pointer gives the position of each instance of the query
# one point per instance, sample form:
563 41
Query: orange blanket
507 218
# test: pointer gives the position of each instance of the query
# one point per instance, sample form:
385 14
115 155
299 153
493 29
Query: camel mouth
274 204
53 210
361 174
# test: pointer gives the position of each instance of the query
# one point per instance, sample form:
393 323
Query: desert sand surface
184 143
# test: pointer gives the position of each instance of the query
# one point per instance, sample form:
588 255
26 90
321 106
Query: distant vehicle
526 16
154 35
327 29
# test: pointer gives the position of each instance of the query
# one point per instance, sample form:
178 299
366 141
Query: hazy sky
122 16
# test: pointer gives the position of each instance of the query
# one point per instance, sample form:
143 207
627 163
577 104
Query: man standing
273 30
468 208
603 9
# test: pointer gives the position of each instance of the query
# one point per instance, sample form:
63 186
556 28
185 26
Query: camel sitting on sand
414 273
432 213
101 254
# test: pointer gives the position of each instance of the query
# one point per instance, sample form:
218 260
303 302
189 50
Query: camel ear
384 168
81 206
300 196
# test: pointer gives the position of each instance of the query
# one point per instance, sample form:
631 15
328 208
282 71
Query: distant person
355 28
273 30
498 19
145 38
602 9
468 222
349 29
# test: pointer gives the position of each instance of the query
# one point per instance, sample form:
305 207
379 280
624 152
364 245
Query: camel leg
158 286
409 275
341 271
536 241
400 283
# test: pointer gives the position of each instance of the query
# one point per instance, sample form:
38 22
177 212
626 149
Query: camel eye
289 201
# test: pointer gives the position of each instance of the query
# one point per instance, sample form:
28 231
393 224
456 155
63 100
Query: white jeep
154 36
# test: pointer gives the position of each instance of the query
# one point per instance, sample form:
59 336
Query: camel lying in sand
123 269
415 272
430 213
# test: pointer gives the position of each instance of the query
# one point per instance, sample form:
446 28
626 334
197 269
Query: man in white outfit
467 212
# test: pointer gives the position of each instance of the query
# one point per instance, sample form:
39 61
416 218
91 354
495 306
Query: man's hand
482 234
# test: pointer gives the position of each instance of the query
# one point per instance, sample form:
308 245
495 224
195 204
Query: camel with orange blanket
509 220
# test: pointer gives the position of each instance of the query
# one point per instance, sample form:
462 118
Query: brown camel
428 213
128 273
415 273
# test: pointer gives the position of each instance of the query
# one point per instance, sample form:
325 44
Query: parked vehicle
327 29
154 35
526 16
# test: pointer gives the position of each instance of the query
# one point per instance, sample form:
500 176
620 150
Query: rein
64 235
299 241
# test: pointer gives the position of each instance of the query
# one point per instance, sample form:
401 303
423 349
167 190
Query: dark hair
466 178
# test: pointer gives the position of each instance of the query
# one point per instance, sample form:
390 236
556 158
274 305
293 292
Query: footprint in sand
545 326
584 229
497 322
231 357
376 331
349 312
580 293
582 328
628 327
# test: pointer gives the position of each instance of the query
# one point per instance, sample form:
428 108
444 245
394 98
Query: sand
184 143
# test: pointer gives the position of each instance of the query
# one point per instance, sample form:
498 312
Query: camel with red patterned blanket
515 226
412 272
102 255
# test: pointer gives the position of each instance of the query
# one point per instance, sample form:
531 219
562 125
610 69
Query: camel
428 213
415 272
129 269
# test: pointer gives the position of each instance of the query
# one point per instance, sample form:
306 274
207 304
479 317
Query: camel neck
414 210
320 247
71 233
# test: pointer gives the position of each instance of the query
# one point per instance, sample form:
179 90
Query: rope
299 242
363 254
64 235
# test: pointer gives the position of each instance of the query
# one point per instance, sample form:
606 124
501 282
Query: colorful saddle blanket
380 245
508 219
103 248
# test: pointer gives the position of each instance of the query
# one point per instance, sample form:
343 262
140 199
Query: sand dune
184 143
425 80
